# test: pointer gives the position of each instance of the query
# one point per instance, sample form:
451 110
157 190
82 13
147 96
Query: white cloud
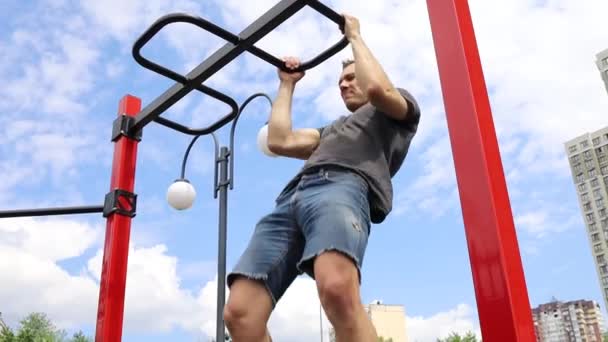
460 320
54 78
12 175
52 239
435 191
545 219
153 286
31 277
126 20
55 72
541 96
35 280
538 87
296 317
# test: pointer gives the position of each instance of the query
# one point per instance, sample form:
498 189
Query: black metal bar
191 131
254 32
216 156
222 236
176 18
189 84
233 128
202 131
186 154
159 105
202 23
51 211
246 40
328 12
322 57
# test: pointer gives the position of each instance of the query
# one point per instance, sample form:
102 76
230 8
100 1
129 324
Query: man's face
351 94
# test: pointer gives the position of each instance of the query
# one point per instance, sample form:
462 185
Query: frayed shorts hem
261 277
306 264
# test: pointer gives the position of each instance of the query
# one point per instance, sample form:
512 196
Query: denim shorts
326 210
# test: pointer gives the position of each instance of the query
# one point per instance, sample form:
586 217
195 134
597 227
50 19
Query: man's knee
338 284
237 315
248 308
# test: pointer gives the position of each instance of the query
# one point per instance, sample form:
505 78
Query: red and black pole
119 209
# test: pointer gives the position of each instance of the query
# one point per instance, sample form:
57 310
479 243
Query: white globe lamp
181 194
263 141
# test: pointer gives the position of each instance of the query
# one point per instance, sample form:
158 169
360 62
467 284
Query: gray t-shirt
371 144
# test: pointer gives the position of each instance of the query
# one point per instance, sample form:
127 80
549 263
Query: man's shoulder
412 103
407 94
337 121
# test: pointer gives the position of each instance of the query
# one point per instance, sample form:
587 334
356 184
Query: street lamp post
321 321
181 193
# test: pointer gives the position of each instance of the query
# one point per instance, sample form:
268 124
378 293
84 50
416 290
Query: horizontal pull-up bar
236 44
51 211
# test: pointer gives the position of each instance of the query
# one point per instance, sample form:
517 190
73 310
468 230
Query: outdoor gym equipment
498 277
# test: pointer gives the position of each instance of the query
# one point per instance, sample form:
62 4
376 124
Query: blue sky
65 64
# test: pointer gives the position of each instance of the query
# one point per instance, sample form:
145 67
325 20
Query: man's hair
347 62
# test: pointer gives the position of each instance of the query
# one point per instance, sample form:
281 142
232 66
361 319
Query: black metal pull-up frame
120 202
236 44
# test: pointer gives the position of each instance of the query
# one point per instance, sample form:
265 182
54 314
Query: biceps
300 144
391 103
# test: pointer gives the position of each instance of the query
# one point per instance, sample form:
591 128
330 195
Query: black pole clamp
120 202
122 127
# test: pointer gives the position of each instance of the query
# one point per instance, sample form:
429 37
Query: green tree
454 337
7 335
383 339
37 327
80 337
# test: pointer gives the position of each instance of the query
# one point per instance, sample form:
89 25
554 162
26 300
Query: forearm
369 73
279 125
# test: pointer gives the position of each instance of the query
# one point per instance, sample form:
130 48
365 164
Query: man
322 218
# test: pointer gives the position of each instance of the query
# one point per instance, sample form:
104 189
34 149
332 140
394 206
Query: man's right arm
282 139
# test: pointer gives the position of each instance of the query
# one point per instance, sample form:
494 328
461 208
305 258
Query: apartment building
601 60
574 321
389 321
588 158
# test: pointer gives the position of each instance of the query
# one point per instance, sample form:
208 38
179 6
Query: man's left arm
371 77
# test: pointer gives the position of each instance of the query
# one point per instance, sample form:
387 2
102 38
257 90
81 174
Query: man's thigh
333 213
272 253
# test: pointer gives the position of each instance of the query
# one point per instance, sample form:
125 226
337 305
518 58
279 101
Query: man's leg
333 212
338 287
247 311
263 274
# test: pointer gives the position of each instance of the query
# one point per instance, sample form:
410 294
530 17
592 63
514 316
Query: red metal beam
498 276
118 228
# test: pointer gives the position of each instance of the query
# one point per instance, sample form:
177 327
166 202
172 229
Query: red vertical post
498 276
118 228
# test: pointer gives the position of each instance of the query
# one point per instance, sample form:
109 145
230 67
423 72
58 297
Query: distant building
588 157
389 321
602 65
574 321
